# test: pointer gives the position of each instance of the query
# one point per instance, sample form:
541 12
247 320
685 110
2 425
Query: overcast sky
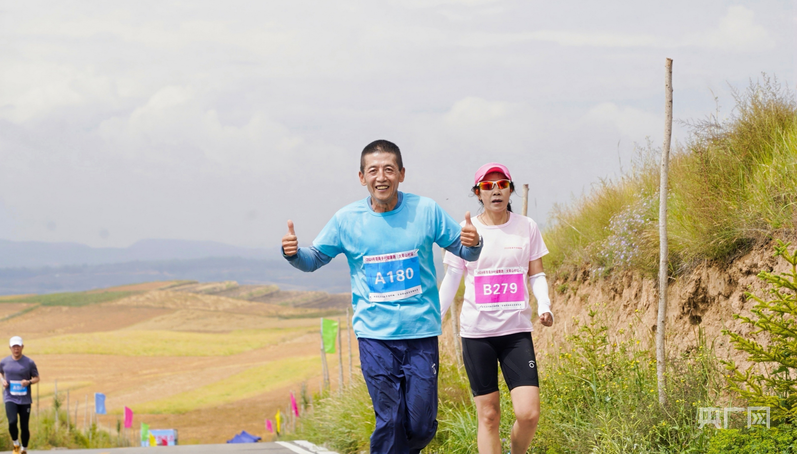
201 120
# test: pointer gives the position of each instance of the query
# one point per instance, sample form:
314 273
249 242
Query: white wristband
539 287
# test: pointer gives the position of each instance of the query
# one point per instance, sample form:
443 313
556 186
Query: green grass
75 299
45 434
160 343
249 383
733 184
598 394
344 422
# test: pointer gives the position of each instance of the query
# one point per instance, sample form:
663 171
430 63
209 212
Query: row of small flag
99 408
276 425
148 438
271 426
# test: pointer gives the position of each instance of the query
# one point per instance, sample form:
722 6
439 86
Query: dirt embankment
702 300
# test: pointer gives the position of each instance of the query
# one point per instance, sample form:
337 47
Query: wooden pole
77 405
37 398
525 208
661 358
348 340
67 410
91 418
55 404
86 415
324 367
304 393
340 359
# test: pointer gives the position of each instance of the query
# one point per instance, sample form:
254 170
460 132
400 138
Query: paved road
280 447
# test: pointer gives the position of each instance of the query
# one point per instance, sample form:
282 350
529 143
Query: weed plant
342 422
45 434
770 380
734 183
755 440
599 395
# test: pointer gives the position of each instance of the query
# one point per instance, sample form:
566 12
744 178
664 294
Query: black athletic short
514 351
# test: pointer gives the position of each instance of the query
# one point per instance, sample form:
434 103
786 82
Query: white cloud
38 88
598 39
111 112
435 3
632 123
737 31
175 124
472 111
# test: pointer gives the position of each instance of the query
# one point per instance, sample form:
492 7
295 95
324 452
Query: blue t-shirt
14 372
393 280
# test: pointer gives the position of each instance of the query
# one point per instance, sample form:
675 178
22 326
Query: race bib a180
392 277
15 388
500 289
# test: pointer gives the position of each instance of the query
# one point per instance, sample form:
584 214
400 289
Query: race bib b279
392 277
499 289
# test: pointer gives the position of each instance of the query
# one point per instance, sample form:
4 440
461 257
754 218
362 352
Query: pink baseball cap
490 167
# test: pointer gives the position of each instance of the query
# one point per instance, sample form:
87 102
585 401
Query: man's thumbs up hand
290 245
469 236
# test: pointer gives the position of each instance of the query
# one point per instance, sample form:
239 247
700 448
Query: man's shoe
17 450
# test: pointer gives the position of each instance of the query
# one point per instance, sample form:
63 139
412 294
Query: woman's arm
539 287
448 288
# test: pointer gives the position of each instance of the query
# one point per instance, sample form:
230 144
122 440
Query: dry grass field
181 355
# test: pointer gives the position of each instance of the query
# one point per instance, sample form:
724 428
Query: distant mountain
34 254
38 267
333 278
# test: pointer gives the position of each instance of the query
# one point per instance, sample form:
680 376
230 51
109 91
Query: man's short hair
383 146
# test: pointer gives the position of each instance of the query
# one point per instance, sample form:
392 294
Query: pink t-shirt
496 298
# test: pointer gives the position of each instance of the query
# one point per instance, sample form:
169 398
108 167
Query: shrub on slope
734 183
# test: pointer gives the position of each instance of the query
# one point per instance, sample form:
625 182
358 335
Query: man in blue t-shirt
387 239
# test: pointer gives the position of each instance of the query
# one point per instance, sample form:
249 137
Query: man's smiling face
381 175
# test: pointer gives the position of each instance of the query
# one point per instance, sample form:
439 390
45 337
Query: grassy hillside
733 183
182 355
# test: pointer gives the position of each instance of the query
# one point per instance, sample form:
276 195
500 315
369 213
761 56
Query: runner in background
387 239
18 372
495 323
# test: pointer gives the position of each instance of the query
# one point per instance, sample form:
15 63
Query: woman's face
494 200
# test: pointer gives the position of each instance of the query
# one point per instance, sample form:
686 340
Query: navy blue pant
402 380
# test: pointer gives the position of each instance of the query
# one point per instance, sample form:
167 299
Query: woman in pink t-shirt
495 323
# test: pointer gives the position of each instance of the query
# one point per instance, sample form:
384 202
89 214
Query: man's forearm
307 259
470 254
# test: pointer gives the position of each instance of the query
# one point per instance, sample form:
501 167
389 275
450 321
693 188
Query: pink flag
294 407
269 426
128 418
